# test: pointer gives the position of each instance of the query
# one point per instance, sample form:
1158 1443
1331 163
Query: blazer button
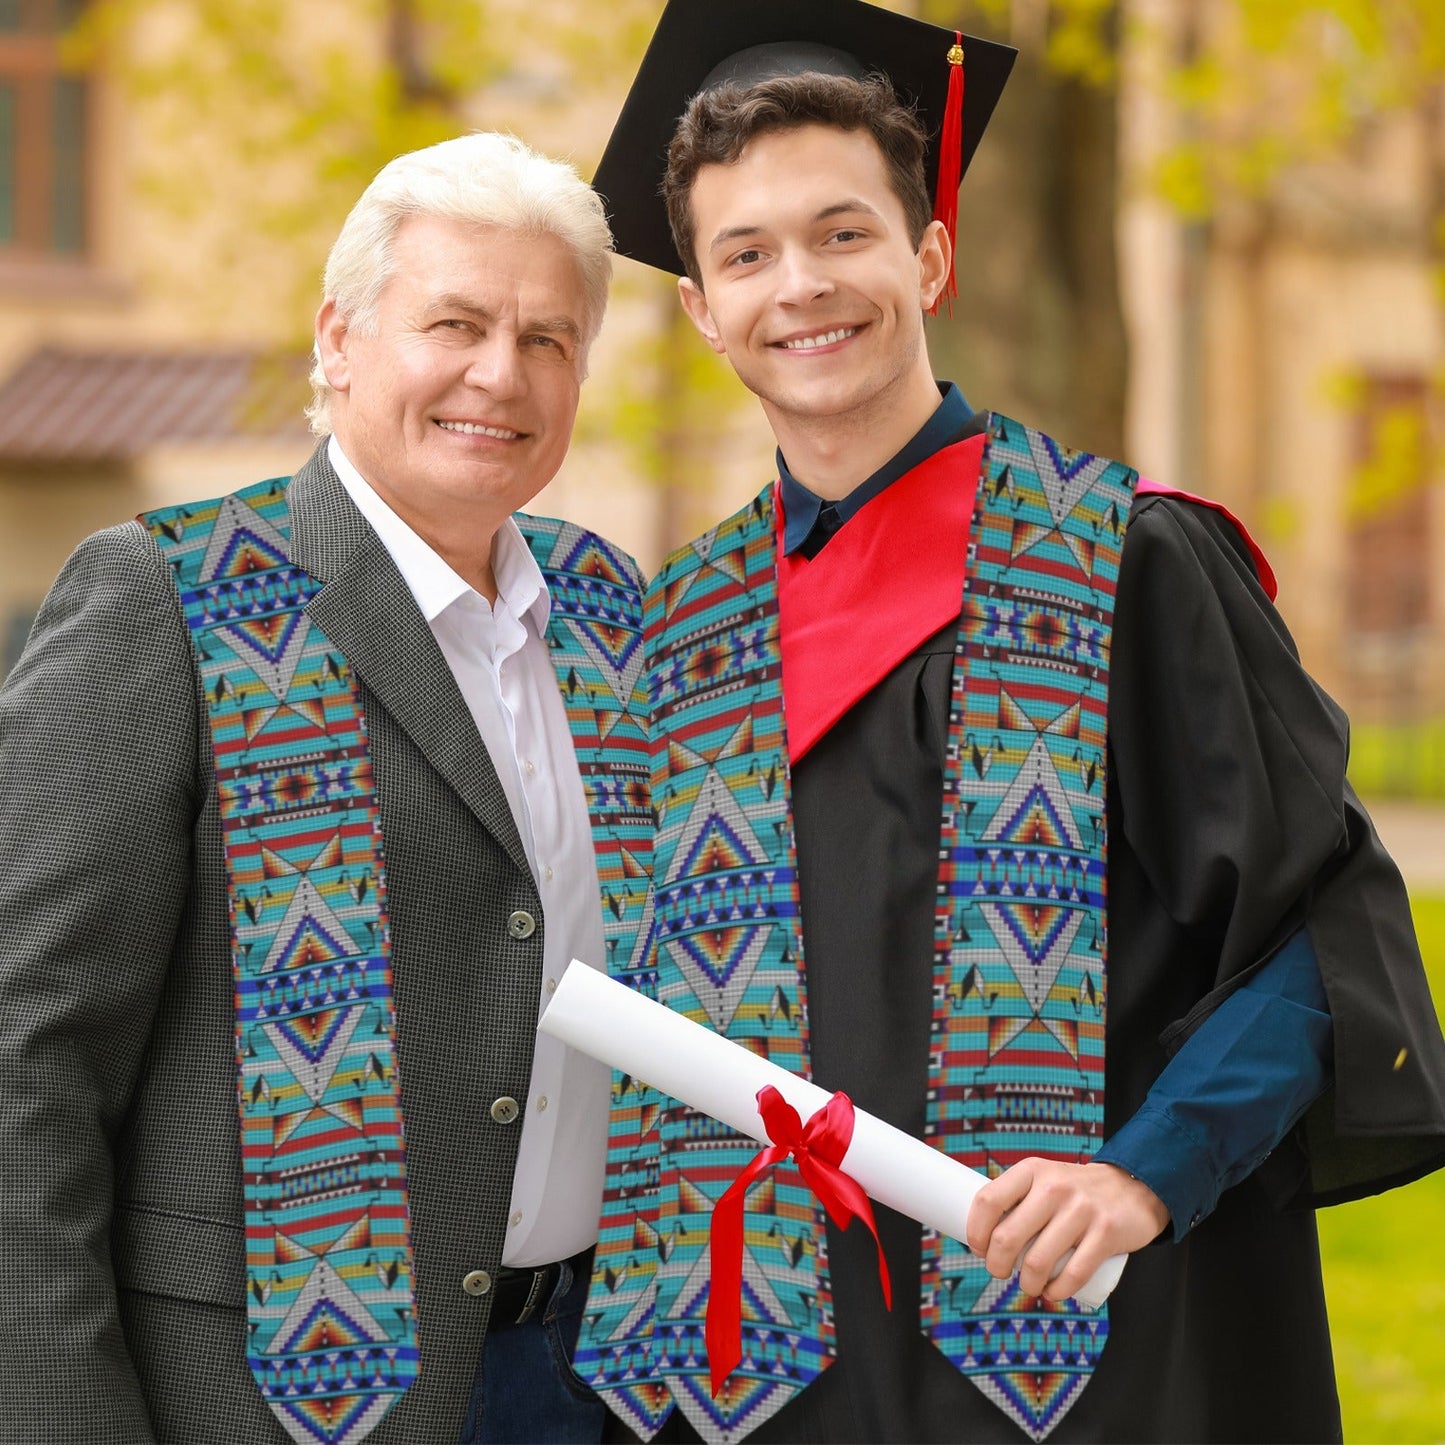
521 924
478 1282
505 1110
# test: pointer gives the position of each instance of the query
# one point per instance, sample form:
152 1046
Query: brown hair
719 123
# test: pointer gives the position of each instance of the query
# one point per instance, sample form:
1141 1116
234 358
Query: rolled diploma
618 1026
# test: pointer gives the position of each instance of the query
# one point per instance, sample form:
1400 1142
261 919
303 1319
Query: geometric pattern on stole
594 639
725 952
331 1321
1019 995
594 634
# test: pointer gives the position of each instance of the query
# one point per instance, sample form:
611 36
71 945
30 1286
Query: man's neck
471 560
473 564
832 454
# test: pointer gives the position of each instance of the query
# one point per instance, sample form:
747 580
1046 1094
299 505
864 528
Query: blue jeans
525 1392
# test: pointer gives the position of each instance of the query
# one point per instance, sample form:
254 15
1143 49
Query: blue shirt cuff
1236 1087
1157 1150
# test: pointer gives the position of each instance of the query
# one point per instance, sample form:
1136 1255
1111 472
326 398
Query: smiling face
810 284
457 405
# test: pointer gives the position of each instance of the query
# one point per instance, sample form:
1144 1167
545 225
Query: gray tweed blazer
123 1314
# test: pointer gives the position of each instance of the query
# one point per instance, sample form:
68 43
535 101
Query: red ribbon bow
818 1147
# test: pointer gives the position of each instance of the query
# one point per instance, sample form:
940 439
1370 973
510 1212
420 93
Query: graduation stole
332 1325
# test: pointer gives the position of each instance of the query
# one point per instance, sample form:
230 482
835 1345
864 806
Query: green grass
1398 760
1385 1281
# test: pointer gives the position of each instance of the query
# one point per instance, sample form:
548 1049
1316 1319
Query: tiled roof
61 405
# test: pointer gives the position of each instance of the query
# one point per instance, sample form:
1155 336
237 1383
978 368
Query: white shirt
498 656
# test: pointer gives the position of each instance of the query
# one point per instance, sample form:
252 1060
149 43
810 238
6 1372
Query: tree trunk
1037 331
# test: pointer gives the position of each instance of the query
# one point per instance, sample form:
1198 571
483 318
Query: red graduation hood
888 581
884 583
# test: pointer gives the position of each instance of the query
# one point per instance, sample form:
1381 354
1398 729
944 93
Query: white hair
485 178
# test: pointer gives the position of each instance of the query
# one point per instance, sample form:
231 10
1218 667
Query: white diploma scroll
613 1023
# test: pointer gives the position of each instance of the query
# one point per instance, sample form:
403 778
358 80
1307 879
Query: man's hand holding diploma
1041 1208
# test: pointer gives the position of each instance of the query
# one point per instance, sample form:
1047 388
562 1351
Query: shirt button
521 924
542 1104
551 985
478 1282
547 873
530 766
516 1219
505 1110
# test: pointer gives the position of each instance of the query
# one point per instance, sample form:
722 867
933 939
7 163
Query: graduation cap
952 82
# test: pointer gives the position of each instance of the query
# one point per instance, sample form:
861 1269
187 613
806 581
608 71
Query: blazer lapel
368 612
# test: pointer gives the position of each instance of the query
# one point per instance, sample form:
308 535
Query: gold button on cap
505 1110
521 924
478 1282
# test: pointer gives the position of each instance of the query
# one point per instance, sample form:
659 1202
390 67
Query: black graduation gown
1229 822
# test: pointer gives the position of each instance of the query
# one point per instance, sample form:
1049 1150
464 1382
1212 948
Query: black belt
519 1294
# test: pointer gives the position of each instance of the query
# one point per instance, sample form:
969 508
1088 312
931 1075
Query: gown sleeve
1231 825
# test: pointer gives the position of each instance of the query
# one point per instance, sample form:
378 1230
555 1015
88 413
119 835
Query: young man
369 739
895 702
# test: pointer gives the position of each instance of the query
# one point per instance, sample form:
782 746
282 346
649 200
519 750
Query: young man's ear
331 336
935 256
699 313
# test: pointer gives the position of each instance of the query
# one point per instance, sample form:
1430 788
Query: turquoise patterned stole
594 633
1017 1050
332 1334
1018 1034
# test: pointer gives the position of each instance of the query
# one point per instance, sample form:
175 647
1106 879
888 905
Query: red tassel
950 166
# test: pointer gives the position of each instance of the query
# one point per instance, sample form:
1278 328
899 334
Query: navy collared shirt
810 521
1242 1080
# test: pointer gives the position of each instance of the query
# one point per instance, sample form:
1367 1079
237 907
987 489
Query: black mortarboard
702 43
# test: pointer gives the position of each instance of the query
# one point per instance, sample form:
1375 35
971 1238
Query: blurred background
1204 236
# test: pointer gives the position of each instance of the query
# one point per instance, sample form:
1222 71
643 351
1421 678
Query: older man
300 796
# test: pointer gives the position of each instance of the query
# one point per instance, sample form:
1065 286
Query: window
43 122
1388 510
1391 564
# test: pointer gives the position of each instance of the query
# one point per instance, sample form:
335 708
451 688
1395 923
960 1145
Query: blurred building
109 402
1285 353
1288 358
